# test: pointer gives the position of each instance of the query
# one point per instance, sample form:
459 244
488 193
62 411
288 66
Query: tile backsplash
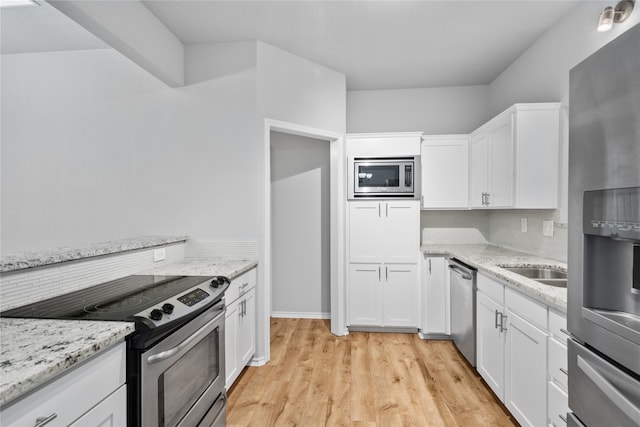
496 227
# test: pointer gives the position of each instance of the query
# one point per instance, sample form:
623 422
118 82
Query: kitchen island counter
34 351
489 260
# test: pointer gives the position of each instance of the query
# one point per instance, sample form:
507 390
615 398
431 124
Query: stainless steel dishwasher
463 308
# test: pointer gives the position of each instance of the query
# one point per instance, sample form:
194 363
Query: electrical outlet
547 228
159 254
523 225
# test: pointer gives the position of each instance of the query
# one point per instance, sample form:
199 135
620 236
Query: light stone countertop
487 259
204 267
23 260
34 351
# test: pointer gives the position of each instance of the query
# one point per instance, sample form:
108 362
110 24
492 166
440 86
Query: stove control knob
155 314
167 308
215 283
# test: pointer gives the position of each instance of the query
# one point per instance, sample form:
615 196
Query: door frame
337 221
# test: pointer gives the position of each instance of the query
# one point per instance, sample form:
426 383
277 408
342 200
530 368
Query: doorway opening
285 135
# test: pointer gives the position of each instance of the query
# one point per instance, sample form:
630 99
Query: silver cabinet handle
379 274
379 211
488 202
386 273
618 399
429 266
553 424
386 205
563 418
564 331
502 317
422 201
40 421
496 319
564 371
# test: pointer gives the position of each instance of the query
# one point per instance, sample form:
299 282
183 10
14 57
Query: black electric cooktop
117 300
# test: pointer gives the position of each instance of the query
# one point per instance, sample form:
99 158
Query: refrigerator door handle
620 400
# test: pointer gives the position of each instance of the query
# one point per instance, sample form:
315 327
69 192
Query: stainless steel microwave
384 177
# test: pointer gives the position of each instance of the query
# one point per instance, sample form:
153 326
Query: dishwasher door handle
460 272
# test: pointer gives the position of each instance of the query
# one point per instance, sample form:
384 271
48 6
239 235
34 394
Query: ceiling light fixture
611 15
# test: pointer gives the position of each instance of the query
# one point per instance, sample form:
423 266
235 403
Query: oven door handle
184 344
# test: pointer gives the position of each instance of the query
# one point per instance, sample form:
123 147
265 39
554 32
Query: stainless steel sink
558 283
546 275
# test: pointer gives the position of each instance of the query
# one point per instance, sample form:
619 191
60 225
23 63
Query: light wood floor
363 379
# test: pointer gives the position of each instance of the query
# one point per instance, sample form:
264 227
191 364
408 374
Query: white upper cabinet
514 159
445 172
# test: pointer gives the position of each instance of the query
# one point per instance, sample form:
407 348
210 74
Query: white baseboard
299 315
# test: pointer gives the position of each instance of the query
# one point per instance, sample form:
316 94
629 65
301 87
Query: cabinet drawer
558 406
558 323
558 363
526 308
491 288
71 394
240 285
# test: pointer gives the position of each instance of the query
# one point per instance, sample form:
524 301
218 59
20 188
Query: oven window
184 382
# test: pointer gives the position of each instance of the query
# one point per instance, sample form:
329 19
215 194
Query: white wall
296 90
430 110
542 72
300 196
95 149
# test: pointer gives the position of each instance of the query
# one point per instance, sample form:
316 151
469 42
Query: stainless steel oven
183 376
389 177
175 357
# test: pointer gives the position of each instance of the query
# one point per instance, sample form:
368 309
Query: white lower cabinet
526 371
111 412
435 297
512 349
383 295
240 327
557 399
92 394
490 344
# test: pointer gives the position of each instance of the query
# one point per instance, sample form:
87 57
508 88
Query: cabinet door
247 329
500 176
526 371
445 172
401 231
490 344
111 412
478 169
231 327
435 307
400 295
365 299
365 232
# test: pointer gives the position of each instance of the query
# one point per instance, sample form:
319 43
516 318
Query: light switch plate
547 228
159 254
523 225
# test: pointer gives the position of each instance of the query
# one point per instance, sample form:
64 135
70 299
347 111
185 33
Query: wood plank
363 379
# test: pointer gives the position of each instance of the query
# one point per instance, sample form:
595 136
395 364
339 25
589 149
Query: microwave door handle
620 400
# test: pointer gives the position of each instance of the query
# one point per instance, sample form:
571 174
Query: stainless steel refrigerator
604 236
